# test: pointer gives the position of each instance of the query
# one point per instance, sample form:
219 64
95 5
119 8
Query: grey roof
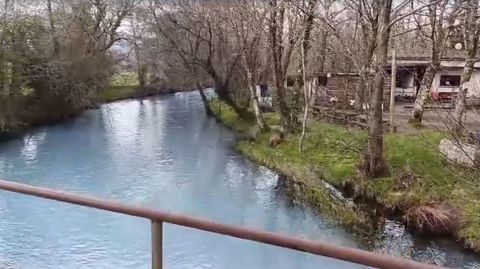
421 50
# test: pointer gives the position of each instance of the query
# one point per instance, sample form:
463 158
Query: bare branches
410 13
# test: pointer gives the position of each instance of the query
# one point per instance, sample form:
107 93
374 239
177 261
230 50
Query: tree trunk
3 45
223 93
362 83
307 103
300 85
255 102
360 91
472 35
305 117
374 162
281 102
424 92
276 48
440 31
206 105
56 45
461 98
321 64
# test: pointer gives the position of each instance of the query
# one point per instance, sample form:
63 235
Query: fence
157 219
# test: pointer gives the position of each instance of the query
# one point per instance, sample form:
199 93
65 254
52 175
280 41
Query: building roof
410 47
444 63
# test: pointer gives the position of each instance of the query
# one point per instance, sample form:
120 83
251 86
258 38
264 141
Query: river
164 153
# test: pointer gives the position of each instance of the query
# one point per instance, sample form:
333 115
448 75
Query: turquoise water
163 153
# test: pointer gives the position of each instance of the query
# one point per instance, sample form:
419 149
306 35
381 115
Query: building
445 84
264 95
411 66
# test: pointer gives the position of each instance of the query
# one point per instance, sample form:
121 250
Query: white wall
473 88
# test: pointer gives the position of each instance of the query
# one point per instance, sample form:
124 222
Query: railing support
363 257
157 244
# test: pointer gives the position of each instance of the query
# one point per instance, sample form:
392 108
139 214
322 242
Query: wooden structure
343 116
336 89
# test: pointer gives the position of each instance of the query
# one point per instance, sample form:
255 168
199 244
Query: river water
163 153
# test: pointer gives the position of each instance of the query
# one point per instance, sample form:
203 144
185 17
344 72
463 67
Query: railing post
157 244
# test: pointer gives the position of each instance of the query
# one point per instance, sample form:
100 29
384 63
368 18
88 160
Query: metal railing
157 219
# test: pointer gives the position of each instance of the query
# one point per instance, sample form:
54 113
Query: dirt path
439 119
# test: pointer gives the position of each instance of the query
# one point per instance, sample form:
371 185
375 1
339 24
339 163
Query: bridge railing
157 219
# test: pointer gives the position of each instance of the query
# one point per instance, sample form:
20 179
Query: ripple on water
163 153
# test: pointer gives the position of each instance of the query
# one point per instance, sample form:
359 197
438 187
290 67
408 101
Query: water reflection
164 153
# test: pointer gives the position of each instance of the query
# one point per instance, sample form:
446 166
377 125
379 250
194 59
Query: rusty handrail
337 252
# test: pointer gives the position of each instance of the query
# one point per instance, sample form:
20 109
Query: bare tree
248 23
282 40
207 23
471 35
368 16
305 48
56 44
374 163
441 17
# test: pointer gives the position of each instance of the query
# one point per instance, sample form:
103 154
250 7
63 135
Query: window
264 92
450 81
322 80
290 82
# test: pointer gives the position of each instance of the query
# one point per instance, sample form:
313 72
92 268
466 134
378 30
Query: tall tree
208 23
374 162
56 44
441 16
368 16
471 34
248 23
282 39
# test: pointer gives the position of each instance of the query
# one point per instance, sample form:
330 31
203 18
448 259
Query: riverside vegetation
57 59
429 195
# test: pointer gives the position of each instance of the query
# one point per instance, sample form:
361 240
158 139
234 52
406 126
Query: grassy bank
306 186
126 86
422 188
122 86
114 93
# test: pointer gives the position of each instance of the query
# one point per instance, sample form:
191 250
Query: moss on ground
418 172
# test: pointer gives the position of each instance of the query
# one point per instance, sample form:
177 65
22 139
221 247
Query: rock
474 137
277 135
253 132
275 140
250 135
460 152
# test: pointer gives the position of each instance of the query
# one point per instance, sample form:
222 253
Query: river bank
164 152
117 93
110 94
427 194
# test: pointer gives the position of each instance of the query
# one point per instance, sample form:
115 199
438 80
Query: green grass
124 79
122 86
332 153
114 93
287 160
